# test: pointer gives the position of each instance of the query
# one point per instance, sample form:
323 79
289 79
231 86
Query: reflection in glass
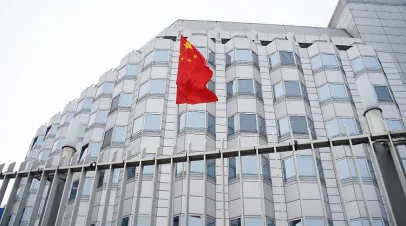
249 164
157 86
382 93
245 86
292 88
357 64
196 119
287 58
248 123
152 122
273 60
242 55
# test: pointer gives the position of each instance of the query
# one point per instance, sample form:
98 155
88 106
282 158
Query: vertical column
10 200
187 188
223 187
136 202
78 196
297 178
93 191
108 191
23 201
154 185
261 186
171 188
122 195
204 188
38 198
241 189
3 188
64 198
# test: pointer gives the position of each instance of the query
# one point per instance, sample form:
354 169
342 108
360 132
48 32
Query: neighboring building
275 84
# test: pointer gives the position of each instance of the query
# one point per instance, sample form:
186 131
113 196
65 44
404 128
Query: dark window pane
382 93
298 124
265 168
212 58
287 58
73 190
258 90
211 125
296 223
230 89
100 180
231 125
262 126
211 86
232 168
292 89
235 222
125 221
245 86
255 60
211 168
130 172
229 58
248 123
114 103
107 137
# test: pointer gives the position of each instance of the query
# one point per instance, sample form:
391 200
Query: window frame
101 89
143 119
96 118
400 121
337 125
153 60
126 74
148 89
82 102
231 57
183 126
235 83
237 125
363 66
303 92
388 92
288 133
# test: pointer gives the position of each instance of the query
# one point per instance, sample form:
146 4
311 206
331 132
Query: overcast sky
50 50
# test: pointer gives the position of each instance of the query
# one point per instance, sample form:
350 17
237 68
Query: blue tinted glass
382 93
87 186
210 222
242 55
143 221
283 126
245 86
94 149
362 167
182 121
370 62
157 86
235 222
273 60
195 221
257 221
108 88
101 117
230 89
262 126
26 214
265 168
119 135
305 166
278 90
152 122
211 124
125 100
350 123
231 126
292 89
143 89
132 69
130 172
211 168
161 55
148 170
249 164
196 120
248 123
323 92
394 125
287 58
255 59
148 59
332 128
329 60
343 168
203 51
316 62
211 86
270 222
232 167
338 90
315 222
357 223
357 64
196 166
288 168
298 124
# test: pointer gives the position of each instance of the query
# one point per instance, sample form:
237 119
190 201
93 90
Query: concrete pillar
69 148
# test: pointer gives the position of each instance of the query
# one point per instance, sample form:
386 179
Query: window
58 144
203 51
51 130
305 166
298 125
394 124
337 127
73 190
258 90
196 167
265 168
211 125
26 214
289 89
365 62
211 86
248 123
94 149
100 179
161 56
229 58
128 70
119 134
230 89
262 126
255 60
278 90
245 86
254 221
148 59
87 186
176 221
316 62
41 207
152 122
235 222
121 100
105 88
288 168
296 223
116 173
34 185
153 86
327 60
83 152
66 118
273 59
383 93
347 168
286 58
125 221
271 222
37 141
142 220
195 120
231 125
232 168
335 91
292 88
212 58
249 165
85 104
130 172
211 168
99 117
242 55
107 137
114 103
148 170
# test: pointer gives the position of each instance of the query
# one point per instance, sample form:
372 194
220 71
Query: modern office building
308 131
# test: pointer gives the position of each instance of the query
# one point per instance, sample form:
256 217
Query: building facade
301 134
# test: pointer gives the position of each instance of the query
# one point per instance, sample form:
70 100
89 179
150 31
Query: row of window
242 56
196 167
196 120
347 168
244 87
296 124
305 168
249 166
251 123
289 89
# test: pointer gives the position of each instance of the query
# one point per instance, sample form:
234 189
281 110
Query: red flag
193 76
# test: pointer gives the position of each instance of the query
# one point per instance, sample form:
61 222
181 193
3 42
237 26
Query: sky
51 50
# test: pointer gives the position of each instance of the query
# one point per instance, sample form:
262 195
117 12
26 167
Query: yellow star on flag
187 45
195 56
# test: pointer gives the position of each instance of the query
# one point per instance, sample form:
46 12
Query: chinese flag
193 76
